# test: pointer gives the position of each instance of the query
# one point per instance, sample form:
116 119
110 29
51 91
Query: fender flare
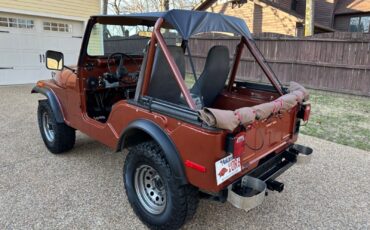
148 129
53 102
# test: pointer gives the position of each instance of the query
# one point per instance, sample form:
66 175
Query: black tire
181 200
63 138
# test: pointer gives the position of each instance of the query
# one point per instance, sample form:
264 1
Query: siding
323 11
260 17
300 7
341 22
285 4
73 8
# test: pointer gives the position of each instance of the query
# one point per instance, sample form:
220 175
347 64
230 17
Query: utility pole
105 7
309 19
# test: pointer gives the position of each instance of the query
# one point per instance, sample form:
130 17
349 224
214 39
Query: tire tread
187 198
65 136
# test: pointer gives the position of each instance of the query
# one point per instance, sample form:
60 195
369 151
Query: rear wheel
157 198
58 137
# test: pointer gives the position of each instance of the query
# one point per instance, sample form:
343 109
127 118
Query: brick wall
260 17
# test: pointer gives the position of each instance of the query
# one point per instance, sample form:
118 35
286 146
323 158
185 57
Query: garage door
24 41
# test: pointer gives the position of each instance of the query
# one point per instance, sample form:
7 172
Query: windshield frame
88 37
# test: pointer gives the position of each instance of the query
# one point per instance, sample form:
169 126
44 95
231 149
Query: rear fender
144 130
53 101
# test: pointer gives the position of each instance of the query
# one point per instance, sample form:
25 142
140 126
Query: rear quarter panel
205 147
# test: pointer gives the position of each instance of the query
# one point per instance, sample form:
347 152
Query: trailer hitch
274 185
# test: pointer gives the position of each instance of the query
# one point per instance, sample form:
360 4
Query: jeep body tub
197 154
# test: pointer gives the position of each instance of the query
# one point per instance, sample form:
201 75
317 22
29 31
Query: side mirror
54 60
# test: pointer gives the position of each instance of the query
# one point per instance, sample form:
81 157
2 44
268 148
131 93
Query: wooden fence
338 62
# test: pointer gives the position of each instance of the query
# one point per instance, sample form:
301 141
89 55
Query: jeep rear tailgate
267 136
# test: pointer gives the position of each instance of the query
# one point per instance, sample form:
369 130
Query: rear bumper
275 166
249 192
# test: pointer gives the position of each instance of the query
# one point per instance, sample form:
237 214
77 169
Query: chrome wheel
150 189
48 127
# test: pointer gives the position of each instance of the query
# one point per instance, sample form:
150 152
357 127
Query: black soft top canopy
186 22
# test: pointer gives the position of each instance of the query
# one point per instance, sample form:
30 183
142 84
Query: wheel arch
145 130
53 101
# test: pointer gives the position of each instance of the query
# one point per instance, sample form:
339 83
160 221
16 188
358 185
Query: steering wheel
121 70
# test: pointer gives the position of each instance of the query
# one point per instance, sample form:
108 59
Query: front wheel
154 194
58 137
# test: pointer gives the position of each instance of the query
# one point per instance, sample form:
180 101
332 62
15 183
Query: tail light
235 144
307 111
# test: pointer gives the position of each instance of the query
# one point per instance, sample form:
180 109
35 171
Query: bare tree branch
132 6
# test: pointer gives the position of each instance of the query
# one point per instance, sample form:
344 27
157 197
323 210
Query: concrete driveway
84 188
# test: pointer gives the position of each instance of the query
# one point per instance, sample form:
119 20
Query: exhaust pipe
274 185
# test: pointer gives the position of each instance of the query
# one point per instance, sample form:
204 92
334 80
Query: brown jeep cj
192 129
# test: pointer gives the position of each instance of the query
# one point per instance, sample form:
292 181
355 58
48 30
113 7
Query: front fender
143 130
53 101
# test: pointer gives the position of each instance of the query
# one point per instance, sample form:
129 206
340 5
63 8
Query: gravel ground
84 189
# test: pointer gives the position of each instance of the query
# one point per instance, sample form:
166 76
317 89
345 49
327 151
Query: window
107 39
4 22
12 22
57 27
22 23
360 24
16 23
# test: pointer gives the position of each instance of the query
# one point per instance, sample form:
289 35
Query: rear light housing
304 112
307 112
235 144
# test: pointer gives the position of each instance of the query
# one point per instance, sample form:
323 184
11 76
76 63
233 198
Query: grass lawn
344 119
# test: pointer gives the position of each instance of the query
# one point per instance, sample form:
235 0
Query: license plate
226 168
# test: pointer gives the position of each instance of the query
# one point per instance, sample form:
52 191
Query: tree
134 6
166 4
105 6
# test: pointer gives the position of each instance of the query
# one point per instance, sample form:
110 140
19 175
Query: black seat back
214 76
163 84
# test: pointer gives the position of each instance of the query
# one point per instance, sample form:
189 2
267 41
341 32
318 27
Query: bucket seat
214 76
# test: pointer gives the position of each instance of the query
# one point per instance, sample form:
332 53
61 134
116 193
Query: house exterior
30 27
287 16
352 15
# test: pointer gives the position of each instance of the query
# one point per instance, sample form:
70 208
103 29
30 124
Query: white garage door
24 41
